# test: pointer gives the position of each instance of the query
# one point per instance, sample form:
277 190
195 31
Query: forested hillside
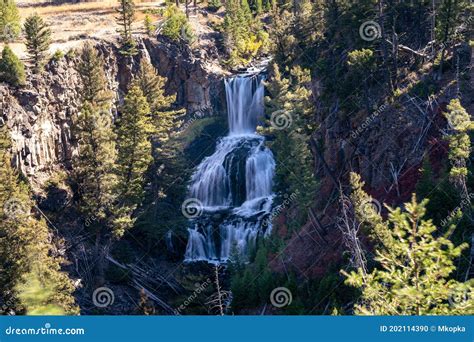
308 157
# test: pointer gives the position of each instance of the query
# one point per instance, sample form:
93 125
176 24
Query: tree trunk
99 278
381 20
445 40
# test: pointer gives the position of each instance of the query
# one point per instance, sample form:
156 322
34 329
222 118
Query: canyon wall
40 114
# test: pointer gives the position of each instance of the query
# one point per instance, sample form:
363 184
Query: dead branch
349 227
136 284
221 299
405 48
151 279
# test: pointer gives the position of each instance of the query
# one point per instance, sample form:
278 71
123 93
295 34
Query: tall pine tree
38 39
290 122
134 130
413 274
126 15
153 87
459 122
26 250
94 165
94 83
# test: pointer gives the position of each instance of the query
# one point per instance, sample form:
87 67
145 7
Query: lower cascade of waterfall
233 187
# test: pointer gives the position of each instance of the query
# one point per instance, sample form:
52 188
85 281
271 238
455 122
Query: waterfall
244 103
233 185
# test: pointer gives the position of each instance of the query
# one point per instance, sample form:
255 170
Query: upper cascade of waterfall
244 103
233 186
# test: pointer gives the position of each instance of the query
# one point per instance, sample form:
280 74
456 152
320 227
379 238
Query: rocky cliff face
40 114
386 147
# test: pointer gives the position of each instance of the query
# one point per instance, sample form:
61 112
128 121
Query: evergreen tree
38 39
12 70
134 129
367 213
97 182
95 161
94 82
126 15
251 283
153 87
459 122
362 64
448 20
298 29
9 21
414 267
94 164
267 5
258 6
243 36
283 43
176 25
95 137
426 183
290 113
164 121
25 247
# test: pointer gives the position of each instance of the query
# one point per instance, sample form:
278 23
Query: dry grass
72 23
103 6
69 8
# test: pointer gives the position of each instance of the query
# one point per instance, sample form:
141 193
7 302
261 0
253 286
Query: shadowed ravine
232 189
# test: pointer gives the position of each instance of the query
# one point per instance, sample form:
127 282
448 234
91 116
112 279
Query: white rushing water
234 184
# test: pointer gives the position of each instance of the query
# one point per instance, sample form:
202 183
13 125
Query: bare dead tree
433 27
349 226
220 300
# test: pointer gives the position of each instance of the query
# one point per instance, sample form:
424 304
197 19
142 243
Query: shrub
9 21
57 55
176 25
12 70
148 25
